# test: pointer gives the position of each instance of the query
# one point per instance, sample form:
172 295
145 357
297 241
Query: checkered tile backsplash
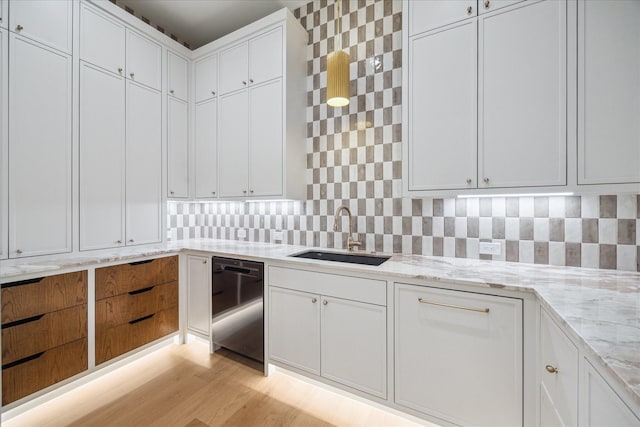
354 158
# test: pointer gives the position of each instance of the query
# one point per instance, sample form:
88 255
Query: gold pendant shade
338 79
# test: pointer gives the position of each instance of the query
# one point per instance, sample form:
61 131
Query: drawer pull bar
139 291
141 319
22 321
21 282
24 360
141 262
459 307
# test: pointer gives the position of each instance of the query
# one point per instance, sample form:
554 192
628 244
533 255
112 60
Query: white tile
407 244
503 250
378 225
638 232
626 257
486 228
473 248
590 206
525 249
427 207
473 207
438 226
461 227
608 231
449 248
427 245
556 207
450 207
627 206
526 207
387 243
512 228
541 229
556 253
407 206
498 206
590 255
416 225
397 225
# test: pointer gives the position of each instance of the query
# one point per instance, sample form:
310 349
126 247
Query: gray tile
512 251
461 248
541 252
438 246
485 206
541 207
556 229
473 227
449 226
608 206
407 225
497 227
427 226
513 206
572 254
589 230
608 257
526 228
416 245
438 207
416 207
627 231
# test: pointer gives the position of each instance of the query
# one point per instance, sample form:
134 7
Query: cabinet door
600 405
294 329
102 40
39 149
4 16
199 294
143 165
102 158
45 21
233 145
523 96
608 92
486 6
178 152
206 154
4 149
206 71
427 15
177 72
456 360
234 63
354 344
144 60
443 109
560 388
265 57
266 139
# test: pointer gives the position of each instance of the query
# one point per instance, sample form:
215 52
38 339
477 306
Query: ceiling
199 22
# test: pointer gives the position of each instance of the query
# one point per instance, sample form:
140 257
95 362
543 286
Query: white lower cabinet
199 294
458 355
332 336
558 375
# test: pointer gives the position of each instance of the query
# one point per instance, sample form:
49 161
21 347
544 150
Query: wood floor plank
185 386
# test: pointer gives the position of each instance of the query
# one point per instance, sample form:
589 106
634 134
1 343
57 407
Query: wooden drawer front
49 368
124 308
123 278
43 333
118 340
28 298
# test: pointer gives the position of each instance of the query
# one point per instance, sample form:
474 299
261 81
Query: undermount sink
342 257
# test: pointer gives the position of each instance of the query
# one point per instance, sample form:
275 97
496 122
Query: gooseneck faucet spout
350 242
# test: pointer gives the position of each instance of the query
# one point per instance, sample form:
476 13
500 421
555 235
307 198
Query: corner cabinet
458 355
4 141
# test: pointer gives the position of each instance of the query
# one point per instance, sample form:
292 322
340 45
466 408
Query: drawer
40 333
28 298
347 287
123 278
21 378
120 339
133 305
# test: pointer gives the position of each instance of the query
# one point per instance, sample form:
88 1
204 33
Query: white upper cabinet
46 21
144 60
102 40
4 151
233 146
427 15
234 63
206 76
143 165
522 79
3 13
608 92
442 152
265 56
177 150
486 6
102 158
177 72
206 149
39 149
265 139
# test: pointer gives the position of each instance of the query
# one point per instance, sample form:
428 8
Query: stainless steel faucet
350 242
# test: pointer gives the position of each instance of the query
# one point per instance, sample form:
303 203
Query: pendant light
338 79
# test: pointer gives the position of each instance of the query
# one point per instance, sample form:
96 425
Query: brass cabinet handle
551 369
487 3
250 80
325 302
469 10
244 82
19 27
314 300
459 307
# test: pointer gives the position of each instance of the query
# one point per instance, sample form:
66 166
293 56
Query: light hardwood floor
185 386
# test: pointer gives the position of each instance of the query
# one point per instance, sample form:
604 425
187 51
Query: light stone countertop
600 307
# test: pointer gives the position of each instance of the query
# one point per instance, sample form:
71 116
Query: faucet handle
353 243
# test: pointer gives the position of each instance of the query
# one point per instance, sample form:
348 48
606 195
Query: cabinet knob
130 240
251 191
244 191
244 82
469 10
171 192
204 261
250 80
171 91
213 192
325 302
18 251
120 70
132 75
19 27
468 180
486 180
487 3
213 92
119 242
551 369
314 300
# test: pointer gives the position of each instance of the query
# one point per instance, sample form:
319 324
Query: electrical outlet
278 236
242 233
486 248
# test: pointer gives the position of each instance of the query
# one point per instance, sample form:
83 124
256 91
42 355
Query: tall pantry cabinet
4 151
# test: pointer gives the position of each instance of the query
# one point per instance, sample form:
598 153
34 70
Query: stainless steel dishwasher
237 307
